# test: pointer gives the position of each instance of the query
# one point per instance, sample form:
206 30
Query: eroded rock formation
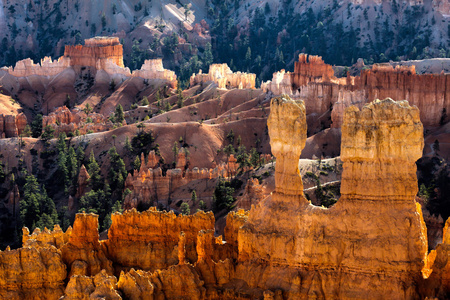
315 83
149 186
153 68
222 75
149 240
95 52
310 247
12 125
70 121
99 53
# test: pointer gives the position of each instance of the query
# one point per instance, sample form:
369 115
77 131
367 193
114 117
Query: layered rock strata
315 83
376 226
222 75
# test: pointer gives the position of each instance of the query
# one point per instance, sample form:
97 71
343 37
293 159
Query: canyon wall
314 82
149 240
222 75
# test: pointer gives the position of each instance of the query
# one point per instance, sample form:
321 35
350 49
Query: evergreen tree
80 156
185 209
117 172
36 126
72 165
95 180
207 56
2 173
63 172
48 133
144 101
254 158
118 114
128 146
194 197
180 97
175 150
36 208
136 163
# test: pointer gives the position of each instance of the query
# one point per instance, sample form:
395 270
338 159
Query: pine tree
180 97
48 133
207 56
128 146
254 158
144 101
72 165
63 172
36 126
185 209
194 197
136 163
118 114
117 172
95 180
36 208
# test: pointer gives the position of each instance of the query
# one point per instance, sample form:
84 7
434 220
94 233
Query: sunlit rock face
222 75
306 250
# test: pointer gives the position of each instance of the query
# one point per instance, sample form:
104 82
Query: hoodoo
95 52
306 250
